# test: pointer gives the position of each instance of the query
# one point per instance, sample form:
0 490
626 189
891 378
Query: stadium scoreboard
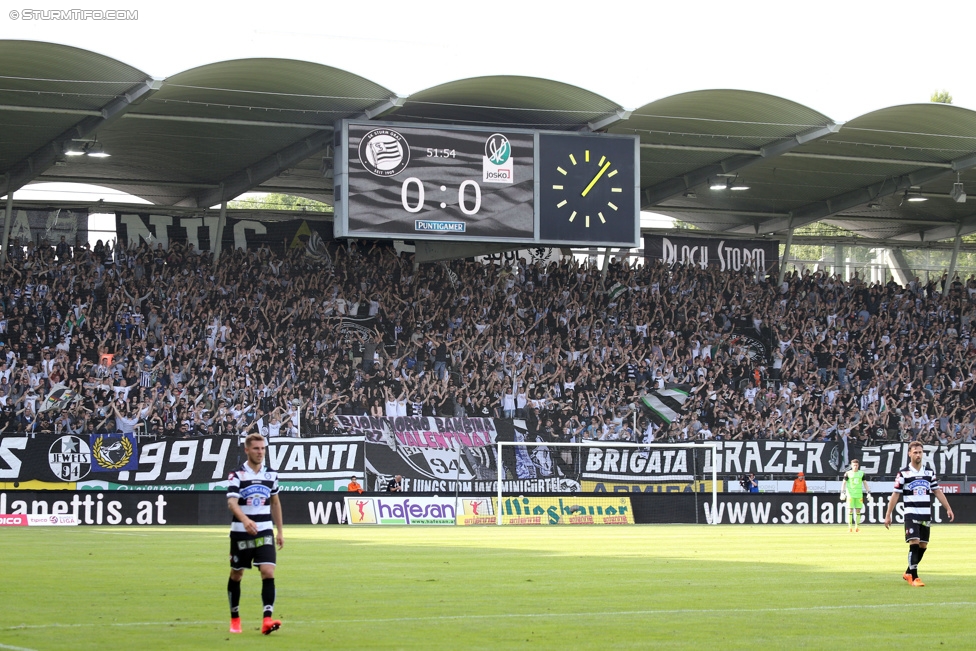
417 182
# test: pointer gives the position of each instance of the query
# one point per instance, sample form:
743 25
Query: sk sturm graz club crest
69 458
384 152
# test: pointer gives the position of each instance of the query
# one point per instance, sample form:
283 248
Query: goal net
599 478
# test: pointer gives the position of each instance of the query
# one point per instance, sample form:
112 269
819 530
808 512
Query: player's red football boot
235 625
270 625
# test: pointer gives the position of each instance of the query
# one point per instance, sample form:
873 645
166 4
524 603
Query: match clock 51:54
588 187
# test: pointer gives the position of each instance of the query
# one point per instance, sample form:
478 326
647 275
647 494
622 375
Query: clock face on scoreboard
587 188
419 182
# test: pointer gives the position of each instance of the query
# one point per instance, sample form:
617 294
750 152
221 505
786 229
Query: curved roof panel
220 129
526 102
46 88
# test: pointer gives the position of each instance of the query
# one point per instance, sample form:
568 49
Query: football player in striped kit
252 497
917 483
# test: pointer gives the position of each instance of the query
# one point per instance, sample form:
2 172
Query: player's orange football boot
917 583
235 625
908 577
270 625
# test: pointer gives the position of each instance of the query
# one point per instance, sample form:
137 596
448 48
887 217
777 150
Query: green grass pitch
639 587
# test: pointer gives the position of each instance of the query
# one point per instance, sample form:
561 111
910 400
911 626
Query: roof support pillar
221 222
839 259
8 218
899 266
952 262
786 252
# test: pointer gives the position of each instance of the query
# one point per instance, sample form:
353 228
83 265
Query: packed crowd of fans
165 343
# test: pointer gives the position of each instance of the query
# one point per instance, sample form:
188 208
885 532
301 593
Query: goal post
625 451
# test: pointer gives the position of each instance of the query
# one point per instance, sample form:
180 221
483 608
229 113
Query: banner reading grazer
725 255
733 457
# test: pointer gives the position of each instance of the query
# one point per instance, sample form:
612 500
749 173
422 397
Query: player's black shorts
916 529
259 550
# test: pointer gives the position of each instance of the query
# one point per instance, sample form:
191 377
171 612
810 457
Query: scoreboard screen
408 181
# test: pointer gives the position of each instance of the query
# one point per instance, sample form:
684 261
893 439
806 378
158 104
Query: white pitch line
434 618
15 648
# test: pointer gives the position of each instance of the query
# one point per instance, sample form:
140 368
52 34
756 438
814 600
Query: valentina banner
66 461
454 454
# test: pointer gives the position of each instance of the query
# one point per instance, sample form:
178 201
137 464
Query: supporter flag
524 468
615 291
114 452
58 398
666 405
316 249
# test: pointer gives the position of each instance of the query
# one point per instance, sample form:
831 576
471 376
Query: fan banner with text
437 455
108 462
726 255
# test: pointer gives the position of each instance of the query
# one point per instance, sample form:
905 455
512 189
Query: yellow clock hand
596 178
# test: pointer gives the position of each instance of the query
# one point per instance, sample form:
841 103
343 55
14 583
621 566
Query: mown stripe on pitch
615 613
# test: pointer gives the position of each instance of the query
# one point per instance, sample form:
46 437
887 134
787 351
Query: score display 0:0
414 181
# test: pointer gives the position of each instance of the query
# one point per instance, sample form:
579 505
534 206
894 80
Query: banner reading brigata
725 255
732 457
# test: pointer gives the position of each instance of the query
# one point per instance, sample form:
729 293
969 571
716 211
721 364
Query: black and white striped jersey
917 488
253 491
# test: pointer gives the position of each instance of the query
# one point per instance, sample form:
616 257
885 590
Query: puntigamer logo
498 166
384 152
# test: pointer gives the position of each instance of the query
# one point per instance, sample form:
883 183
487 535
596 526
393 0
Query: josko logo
498 164
384 152
69 458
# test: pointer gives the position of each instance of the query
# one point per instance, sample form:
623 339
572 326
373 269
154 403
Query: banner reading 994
415 182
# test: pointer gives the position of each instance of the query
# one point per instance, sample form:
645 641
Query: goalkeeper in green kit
853 489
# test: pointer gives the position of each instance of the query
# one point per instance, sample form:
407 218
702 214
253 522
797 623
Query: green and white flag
615 291
666 405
